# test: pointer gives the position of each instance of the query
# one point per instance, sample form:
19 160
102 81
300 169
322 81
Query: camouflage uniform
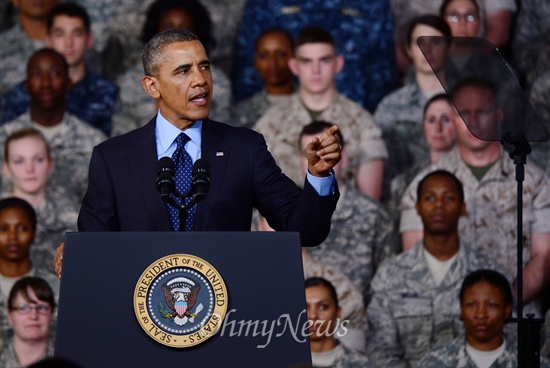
363 31
135 107
247 112
540 97
348 358
454 354
92 99
8 358
14 54
349 299
409 314
6 331
489 224
71 149
360 239
281 129
400 116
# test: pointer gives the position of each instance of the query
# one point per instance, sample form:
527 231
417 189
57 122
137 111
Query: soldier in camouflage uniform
321 101
8 357
399 114
29 218
18 44
136 107
71 140
55 213
361 233
478 290
274 47
349 299
414 306
489 225
324 312
91 97
364 34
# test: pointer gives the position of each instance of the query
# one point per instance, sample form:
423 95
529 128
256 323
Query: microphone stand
528 328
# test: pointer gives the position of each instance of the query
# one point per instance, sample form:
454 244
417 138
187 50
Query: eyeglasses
25 309
455 17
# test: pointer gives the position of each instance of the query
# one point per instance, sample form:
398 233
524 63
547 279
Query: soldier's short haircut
429 20
477 82
317 127
13 202
40 287
71 10
443 173
47 50
153 52
493 278
314 34
273 30
319 281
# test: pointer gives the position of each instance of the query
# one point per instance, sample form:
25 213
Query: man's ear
90 41
150 85
5 170
340 62
293 66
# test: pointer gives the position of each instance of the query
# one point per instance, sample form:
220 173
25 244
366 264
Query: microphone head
165 176
201 176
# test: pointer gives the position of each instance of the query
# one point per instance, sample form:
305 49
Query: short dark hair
316 127
272 30
202 21
154 49
493 278
431 20
14 202
47 50
40 287
314 34
477 82
71 10
443 173
438 97
446 3
319 281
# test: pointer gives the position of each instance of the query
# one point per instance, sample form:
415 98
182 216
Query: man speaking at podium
122 193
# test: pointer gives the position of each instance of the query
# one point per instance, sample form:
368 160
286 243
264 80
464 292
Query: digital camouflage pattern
360 239
489 225
71 149
247 112
281 129
409 314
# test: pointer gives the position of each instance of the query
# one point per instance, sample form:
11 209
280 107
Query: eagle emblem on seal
180 294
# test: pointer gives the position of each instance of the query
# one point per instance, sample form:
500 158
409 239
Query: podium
265 322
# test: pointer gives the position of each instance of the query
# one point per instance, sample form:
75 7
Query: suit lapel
217 153
142 160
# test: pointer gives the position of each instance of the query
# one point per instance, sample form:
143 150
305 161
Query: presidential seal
180 300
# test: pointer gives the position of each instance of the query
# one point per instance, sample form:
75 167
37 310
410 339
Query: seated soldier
71 139
323 314
412 308
31 309
17 231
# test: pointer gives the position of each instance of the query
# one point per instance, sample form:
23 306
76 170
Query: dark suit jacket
122 194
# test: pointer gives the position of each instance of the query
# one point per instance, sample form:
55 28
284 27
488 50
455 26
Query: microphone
200 182
165 177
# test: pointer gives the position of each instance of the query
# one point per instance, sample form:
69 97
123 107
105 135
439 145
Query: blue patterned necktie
184 171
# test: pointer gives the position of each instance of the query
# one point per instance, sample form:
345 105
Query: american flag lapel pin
219 154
